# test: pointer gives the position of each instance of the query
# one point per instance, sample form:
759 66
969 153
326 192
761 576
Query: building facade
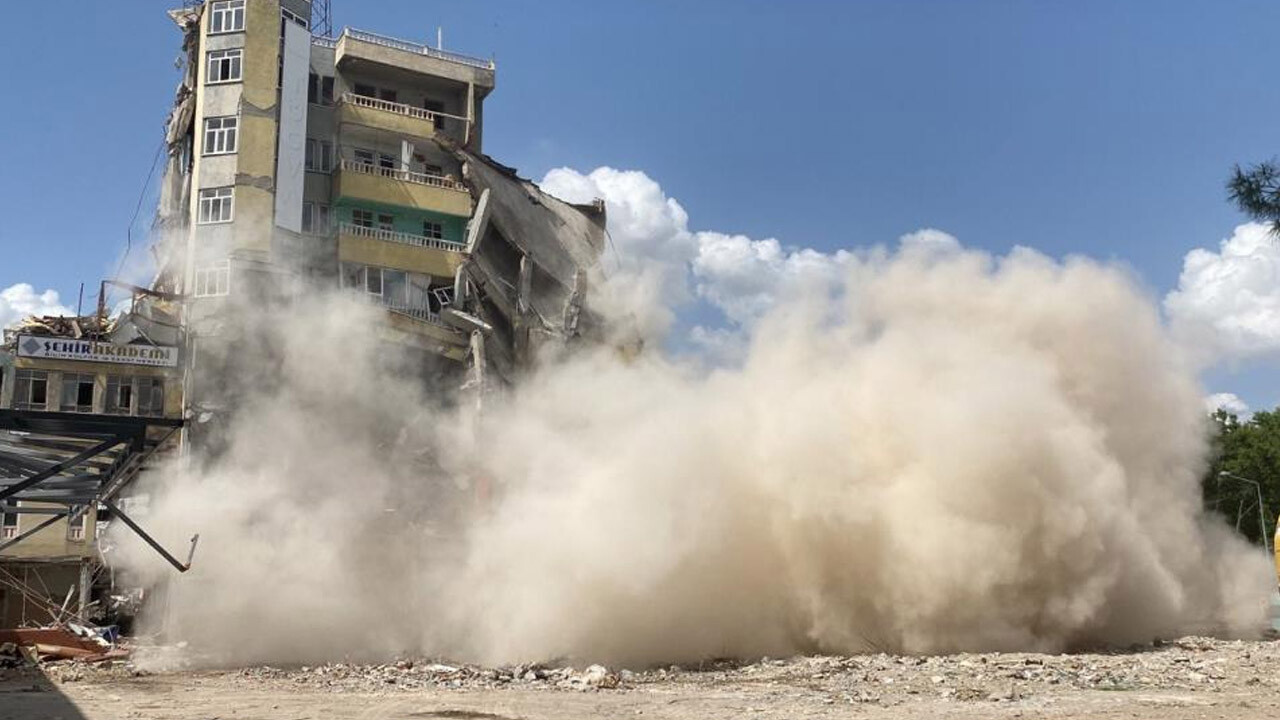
293 155
354 162
127 367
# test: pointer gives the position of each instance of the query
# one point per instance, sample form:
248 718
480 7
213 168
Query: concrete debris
1189 665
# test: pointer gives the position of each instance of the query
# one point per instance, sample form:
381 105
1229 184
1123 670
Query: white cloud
20 300
1227 303
1227 401
739 276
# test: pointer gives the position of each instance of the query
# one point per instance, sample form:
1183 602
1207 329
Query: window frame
223 8
319 89
10 525
362 218
28 377
316 217
226 201
323 149
222 132
213 280
235 60
438 230
152 388
116 385
79 380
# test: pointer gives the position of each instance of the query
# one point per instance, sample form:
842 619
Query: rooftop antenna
439 37
321 20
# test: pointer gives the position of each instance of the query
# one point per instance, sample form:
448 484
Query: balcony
360 47
397 118
402 251
392 186
420 325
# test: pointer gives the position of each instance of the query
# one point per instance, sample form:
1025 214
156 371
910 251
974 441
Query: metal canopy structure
65 463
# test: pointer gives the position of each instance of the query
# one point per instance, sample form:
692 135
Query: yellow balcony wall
366 250
397 187
382 115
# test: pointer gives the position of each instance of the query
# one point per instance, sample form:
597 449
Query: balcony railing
417 49
417 313
400 237
365 168
397 108
324 42
8 532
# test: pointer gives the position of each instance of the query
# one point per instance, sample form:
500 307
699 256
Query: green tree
1256 191
1246 449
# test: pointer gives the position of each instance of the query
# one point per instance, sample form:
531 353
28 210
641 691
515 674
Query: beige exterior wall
53 541
351 114
368 251
349 47
100 371
389 191
255 171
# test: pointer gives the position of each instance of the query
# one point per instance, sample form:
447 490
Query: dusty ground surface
1189 678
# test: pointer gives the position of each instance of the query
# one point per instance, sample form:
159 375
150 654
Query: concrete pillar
86 580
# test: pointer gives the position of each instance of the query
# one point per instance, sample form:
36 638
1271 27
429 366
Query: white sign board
59 348
291 152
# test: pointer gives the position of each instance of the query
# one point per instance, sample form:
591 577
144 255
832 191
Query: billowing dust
947 451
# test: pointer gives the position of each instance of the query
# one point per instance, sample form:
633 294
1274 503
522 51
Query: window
364 157
442 297
362 218
435 108
319 155
224 66
402 290
31 390
433 170
433 230
119 395
320 89
75 528
386 162
77 393
289 16
386 94
8 525
215 205
315 218
151 395
366 90
226 16
220 135
386 222
213 280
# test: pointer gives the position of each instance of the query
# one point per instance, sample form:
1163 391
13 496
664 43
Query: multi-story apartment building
354 161
316 155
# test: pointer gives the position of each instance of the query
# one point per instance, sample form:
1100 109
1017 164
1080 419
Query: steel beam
182 567
98 449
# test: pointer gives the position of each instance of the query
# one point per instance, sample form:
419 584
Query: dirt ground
1189 678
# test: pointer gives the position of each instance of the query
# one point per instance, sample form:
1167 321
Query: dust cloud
944 451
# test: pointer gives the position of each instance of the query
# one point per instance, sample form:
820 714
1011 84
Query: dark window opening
435 106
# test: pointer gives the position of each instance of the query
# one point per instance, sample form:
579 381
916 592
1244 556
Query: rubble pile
411 675
1192 664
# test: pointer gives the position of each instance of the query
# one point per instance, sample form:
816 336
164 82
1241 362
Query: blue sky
1090 127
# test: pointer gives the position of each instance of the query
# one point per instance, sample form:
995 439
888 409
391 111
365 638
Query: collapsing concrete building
298 163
